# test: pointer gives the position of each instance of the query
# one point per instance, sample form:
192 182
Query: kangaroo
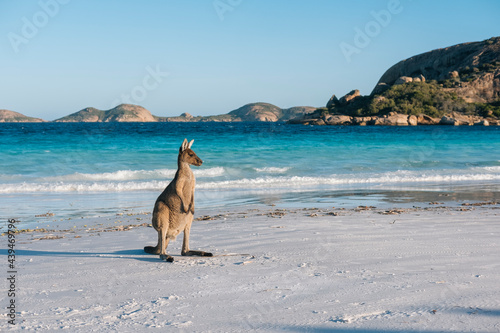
174 208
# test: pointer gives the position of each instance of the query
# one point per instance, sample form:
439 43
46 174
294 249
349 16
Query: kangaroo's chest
178 224
188 182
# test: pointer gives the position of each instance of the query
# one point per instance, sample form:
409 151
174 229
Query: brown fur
174 208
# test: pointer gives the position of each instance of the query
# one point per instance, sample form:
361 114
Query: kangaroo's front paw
166 257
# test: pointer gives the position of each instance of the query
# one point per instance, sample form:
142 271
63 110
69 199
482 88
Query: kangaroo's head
186 155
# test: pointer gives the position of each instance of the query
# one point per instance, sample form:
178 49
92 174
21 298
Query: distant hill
269 112
257 112
121 113
7 116
188 118
249 112
134 113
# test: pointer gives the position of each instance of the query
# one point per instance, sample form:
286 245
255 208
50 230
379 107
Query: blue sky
212 56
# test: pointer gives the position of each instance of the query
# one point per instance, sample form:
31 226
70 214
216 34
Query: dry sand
363 270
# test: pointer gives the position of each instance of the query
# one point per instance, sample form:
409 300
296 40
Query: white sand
429 271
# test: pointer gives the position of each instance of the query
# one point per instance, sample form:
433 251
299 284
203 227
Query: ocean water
77 170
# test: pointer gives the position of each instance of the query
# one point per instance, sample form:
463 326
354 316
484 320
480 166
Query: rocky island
249 112
134 113
120 113
7 116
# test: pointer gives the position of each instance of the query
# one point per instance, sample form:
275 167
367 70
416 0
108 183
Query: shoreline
129 220
415 269
77 206
398 119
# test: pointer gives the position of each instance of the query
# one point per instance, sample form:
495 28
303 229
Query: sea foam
272 170
124 175
308 182
132 181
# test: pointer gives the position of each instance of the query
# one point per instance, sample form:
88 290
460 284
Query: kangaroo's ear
190 144
184 145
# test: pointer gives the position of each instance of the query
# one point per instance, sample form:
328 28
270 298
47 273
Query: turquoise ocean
75 170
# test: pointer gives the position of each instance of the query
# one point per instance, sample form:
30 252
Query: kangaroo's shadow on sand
136 254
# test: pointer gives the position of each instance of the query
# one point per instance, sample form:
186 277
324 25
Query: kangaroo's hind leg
154 249
185 244
156 224
162 237
162 227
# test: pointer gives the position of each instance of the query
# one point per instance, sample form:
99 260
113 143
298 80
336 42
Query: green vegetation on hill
415 98
489 109
469 74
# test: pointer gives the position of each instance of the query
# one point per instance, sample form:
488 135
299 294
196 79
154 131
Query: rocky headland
457 85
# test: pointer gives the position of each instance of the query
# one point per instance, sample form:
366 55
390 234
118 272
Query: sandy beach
429 269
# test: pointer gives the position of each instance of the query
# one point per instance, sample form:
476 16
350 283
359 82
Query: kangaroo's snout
190 157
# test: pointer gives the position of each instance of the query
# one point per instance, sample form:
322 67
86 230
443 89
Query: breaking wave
124 175
388 178
272 170
123 181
